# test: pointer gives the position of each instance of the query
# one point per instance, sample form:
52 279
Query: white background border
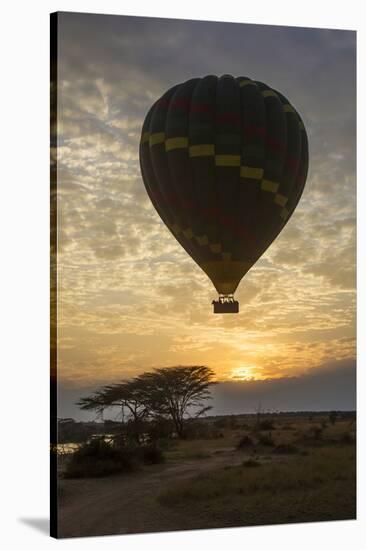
24 235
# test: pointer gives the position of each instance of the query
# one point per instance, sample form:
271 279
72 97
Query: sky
130 299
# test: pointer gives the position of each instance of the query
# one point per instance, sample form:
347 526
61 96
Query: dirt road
127 503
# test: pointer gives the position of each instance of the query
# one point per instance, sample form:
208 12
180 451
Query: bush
316 432
233 422
266 440
266 425
245 442
333 415
244 426
152 455
288 427
251 463
160 428
99 458
286 449
222 423
347 438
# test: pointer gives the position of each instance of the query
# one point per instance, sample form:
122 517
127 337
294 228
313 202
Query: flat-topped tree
94 402
176 392
173 393
125 395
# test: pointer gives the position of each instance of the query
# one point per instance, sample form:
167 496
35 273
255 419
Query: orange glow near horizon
129 297
245 374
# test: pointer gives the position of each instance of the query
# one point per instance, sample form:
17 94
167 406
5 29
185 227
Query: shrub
347 438
222 423
316 432
160 428
233 422
152 454
245 442
333 415
165 443
288 427
251 463
266 425
286 449
266 440
98 458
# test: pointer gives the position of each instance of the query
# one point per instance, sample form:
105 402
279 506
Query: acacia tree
171 393
125 395
176 392
94 402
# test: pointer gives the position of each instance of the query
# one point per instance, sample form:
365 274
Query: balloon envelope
224 161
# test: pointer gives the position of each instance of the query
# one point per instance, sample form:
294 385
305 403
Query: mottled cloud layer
130 298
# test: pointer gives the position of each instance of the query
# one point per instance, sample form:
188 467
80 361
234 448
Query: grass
327 474
188 449
295 473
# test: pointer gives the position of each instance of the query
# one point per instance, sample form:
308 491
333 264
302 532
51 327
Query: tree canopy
172 393
177 392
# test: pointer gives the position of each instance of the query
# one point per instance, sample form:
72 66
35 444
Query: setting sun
245 373
130 299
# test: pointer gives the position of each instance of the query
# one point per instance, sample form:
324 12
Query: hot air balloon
224 161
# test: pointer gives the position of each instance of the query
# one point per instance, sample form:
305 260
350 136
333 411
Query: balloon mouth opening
225 304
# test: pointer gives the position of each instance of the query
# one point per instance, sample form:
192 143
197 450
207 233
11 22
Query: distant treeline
263 412
72 431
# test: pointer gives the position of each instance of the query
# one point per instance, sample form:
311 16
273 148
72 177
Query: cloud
110 252
330 386
326 387
129 297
